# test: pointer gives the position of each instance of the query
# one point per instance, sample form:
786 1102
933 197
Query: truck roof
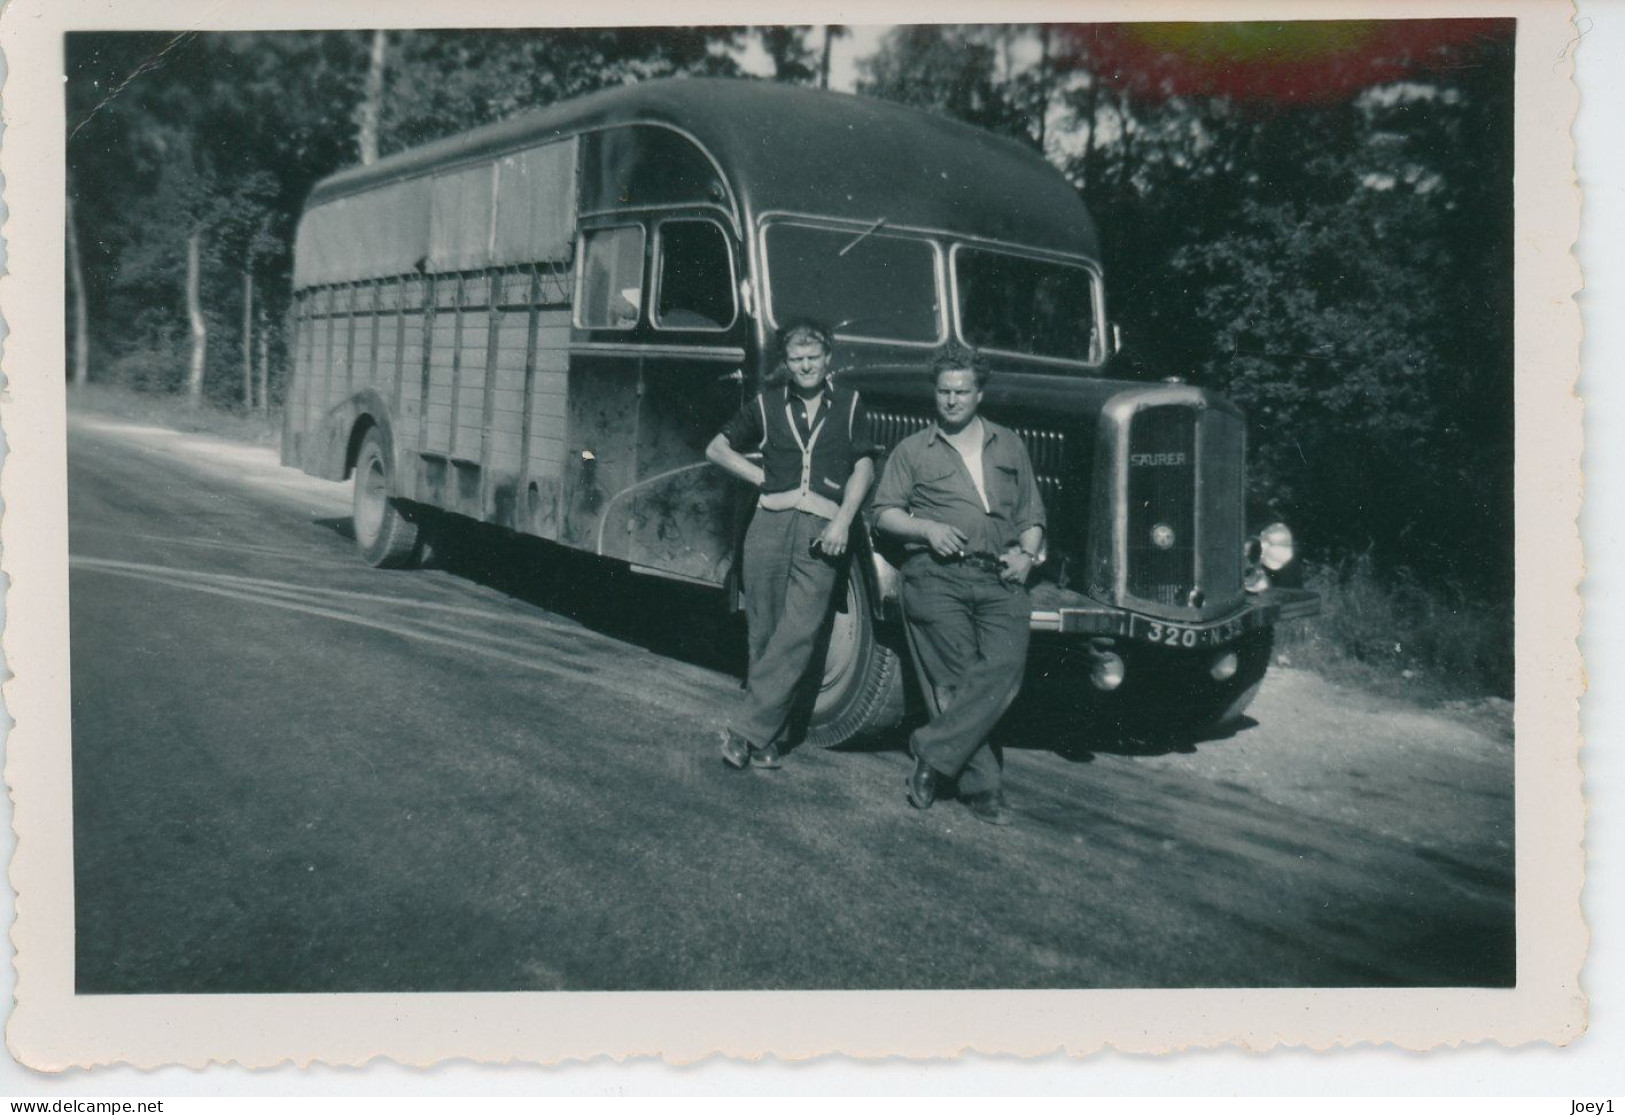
796 149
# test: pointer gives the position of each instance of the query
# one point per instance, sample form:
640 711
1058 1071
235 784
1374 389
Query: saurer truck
540 324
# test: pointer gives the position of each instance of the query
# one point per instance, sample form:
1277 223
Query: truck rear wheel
386 538
862 686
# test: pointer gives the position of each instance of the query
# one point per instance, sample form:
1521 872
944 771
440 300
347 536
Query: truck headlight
1275 547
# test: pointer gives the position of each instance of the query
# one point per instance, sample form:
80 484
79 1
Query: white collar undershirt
968 444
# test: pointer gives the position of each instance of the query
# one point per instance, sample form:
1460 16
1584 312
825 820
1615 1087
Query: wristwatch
1037 559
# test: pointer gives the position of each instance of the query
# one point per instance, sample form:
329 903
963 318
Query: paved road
293 772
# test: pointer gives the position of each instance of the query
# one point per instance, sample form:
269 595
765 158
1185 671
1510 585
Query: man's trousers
788 589
968 632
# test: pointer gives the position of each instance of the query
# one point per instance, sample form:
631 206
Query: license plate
1168 634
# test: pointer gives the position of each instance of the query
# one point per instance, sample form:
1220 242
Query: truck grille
1162 505
1046 448
1185 508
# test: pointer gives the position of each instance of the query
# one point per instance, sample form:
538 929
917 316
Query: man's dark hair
955 357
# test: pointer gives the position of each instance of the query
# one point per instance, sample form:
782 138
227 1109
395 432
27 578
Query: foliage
793 60
224 135
1398 631
165 410
1333 253
950 70
443 82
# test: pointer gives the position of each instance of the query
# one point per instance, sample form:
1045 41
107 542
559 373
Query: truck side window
695 287
610 295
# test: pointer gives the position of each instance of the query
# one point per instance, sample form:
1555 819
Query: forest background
1313 218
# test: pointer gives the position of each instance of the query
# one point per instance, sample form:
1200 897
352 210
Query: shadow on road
691 624
1034 725
672 619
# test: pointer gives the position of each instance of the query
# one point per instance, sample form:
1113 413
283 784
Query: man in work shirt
816 470
961 496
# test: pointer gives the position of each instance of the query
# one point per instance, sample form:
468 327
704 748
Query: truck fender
880 576
347 424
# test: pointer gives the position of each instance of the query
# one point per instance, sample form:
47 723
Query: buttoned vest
806 470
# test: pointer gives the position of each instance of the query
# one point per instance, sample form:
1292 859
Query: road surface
296 773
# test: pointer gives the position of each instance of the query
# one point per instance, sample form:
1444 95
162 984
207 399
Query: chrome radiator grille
1046 448
1185 508
1162 505
890 428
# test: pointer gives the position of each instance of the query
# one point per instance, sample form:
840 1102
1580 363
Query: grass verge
172 412
1398 635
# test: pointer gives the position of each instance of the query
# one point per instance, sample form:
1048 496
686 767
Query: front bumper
1264 609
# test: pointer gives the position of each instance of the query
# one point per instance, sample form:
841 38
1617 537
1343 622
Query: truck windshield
864 284
1022 305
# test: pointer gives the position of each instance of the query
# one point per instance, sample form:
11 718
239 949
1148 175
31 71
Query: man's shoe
989 806
766 757
922 785
735 750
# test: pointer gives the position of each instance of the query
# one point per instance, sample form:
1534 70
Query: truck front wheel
861 690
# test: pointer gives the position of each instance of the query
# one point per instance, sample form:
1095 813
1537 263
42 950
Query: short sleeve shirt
926 477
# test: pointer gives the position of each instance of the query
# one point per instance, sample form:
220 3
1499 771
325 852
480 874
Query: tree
1356 299
371 107
444 82
175 135
786 45
1312 217
189 160
832 31
950 70
194 316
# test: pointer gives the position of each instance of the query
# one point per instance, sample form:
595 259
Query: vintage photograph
795 508
934 506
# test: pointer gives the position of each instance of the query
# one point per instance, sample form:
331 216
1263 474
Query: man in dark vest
817 465
961 497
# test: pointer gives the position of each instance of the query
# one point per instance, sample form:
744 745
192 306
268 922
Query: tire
386 538
861 690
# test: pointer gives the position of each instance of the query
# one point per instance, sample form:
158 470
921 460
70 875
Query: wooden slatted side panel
370 357
512 333
303 343
343 326
547 419
473 340
293 428
387 343
409 399
321 362
442 367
